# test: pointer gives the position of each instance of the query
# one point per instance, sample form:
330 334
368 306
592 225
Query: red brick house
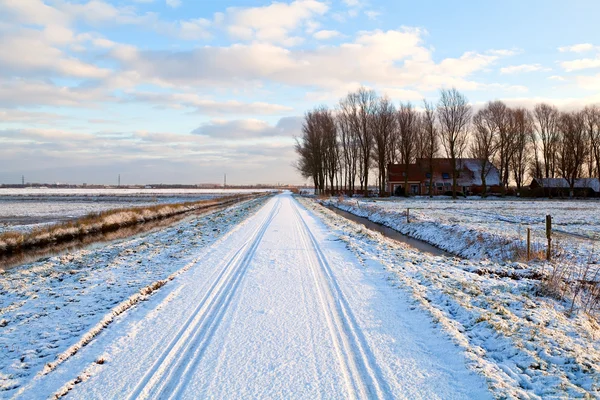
469 177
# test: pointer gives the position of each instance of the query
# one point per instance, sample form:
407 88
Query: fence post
549 237
528 244
408 216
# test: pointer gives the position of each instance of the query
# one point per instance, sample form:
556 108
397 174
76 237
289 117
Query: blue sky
184 91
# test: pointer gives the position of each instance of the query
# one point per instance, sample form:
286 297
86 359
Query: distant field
490 228
25 209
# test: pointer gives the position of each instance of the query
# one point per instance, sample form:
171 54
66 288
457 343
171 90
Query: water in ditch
392 234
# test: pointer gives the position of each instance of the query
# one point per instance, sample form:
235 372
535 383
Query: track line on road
363 376
168 374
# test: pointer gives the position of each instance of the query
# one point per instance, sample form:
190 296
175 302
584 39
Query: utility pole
22 180
119 180
224 181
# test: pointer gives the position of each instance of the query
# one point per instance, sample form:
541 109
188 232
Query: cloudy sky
182 91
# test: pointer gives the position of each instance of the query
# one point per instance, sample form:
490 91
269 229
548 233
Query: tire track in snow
362 375
168 375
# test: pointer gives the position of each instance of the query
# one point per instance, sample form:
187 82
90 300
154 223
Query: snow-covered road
278 309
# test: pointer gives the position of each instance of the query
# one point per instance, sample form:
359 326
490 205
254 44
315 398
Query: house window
440 186
448 185
427 175
414 189
403 173
445 175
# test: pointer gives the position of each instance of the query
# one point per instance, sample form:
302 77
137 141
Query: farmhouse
468 182
560 186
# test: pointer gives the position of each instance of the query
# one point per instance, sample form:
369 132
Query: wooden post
549 237
528 244
407 216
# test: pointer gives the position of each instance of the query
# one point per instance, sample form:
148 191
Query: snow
123 192
526 345
295 302
49 305
592 183
280 308
25 209
490 229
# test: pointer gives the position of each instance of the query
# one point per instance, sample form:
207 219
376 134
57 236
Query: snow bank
51 308
489 229
527 346
107 221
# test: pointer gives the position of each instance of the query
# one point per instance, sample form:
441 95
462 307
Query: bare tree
501 119
546 123
536 167
346 115
430 140
592 124
366 105
520 128
454 114
330 146
407 135
318 149
309 148
384 131
573 147
484 143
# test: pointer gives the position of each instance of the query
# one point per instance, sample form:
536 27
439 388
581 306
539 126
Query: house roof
396 173
562 183
470 171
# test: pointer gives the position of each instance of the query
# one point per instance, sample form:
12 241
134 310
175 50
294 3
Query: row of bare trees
366 132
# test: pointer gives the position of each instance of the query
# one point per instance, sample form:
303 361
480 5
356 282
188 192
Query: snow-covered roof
592 183
474 165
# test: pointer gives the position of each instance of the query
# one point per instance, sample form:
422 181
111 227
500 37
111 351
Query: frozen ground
526 345
123 192
45 307
294 302
280 308
25 209
492 229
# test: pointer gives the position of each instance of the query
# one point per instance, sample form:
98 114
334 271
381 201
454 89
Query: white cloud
371 14
173 3
209 106
273 23
556 78
326 34
395 58
250 128
27 52
517 69
584 63
193 29
577 48
589 82
18 92
563 103
30 117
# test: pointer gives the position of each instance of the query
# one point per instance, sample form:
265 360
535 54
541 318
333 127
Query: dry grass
104 222
578 284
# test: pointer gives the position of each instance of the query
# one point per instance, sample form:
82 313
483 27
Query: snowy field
25 209
282 298
526 345
47 306
278 308
492 229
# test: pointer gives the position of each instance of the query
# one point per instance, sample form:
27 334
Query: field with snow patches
490 229
47 306
527 346
26 209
